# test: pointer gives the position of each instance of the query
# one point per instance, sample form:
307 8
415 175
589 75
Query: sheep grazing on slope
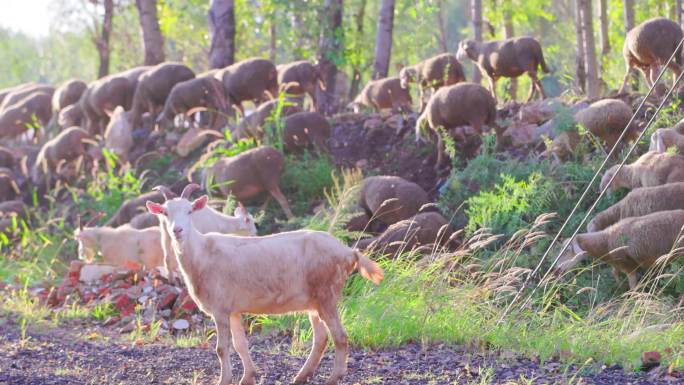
383 94
251 125
248 174
7 158
230 275
649 45
201 92
390 199
299 78
120 245
628 244
607 119
253 79
67 146
651 169
435 72
22 92
101 98
132 207
9 90
67 94
143 221
508 58
640 202
34 108
459 105
664 138
305 130
154 86
423 229
70 116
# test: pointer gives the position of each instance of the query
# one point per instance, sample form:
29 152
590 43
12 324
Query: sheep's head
176 213
406 76
247 224
571 256
467 49
607 177
70 116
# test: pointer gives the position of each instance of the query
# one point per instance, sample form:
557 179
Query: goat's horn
165 191
188 190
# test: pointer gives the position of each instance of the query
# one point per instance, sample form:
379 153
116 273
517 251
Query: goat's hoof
300 379
248 381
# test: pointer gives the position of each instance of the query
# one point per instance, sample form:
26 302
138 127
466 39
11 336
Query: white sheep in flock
229 275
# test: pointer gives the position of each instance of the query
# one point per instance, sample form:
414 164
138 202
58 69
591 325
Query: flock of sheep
227 268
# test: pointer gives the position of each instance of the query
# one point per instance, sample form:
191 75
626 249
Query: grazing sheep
508 58
304 130
459 105
154 86
628 244
101 98
70 116
420 230
119 135
252 79
390 199
299 78
607 119
651 169
22 92
7 158
67 94
251 125
132 207
65 147
120 245
185 96
143 221
228 275
435 72
7 91
34 108
648 46
382 94
664 138
8 211
639 202
8 185
248 174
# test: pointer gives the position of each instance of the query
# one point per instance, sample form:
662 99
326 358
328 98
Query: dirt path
59 356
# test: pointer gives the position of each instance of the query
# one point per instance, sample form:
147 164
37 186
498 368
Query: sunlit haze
28 16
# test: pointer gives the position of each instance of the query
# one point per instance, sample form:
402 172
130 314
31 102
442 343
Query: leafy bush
305 179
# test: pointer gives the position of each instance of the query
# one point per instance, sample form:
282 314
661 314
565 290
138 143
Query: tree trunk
153 42
603 16
222 32
579 49
102 42
383 40
329 49
593 86
272 46
476 18
356 72
629 14
509 32
442 27
678 11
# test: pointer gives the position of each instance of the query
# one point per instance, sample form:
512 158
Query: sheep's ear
241 211
155 208
200 203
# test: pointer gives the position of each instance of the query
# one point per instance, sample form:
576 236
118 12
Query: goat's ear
241 211
200 203
155 208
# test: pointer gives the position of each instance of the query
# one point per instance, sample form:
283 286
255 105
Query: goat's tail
369 269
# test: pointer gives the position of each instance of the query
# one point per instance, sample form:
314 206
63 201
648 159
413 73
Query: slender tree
678 11
383 39
442 26
579 49
603 19
102 41
153 42
272 47
356 69
629 14
222 32
593 87
476 19
509 32
330 45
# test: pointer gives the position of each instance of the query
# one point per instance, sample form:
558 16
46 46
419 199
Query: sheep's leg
632 279
264 205
625 79
537 85
278 195
647 77
440 151
677 69
320 341
492 88
223 350
332 320
242 348
533 77
421 99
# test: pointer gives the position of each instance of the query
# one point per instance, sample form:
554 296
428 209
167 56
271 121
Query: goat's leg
278 195
223 350
320 341
331 318
242 348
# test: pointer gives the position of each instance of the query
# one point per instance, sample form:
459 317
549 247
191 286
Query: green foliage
305 179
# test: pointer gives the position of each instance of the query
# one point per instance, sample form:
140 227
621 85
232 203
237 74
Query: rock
180 324
395 122
184 305
124 304
538 112
372 124
361 163
92 272
127 328
521 134
649 360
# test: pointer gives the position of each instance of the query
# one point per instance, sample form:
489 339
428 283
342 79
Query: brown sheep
304 130
6 91
8 185
299 78
65 147
248 174
132 207
640 202
383 94
20 93
607 119
435 72
422 229
664 138
9 210
154 86
459 105
508 58
649 45
15 119
251 125
628 244
144 220
67 94
390 199
204 92
70 116
651 169
252 79
101 98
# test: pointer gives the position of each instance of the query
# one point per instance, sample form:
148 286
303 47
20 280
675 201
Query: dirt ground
59 357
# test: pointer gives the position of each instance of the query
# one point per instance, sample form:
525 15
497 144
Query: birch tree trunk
476 18
383 39
509 32
356 71
593 86
153 41
329 48
579 49
102 42
222 32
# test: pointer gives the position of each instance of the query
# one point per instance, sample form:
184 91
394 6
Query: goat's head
247 224
175 213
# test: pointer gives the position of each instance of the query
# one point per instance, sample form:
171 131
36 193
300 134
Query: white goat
229 275
121 244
